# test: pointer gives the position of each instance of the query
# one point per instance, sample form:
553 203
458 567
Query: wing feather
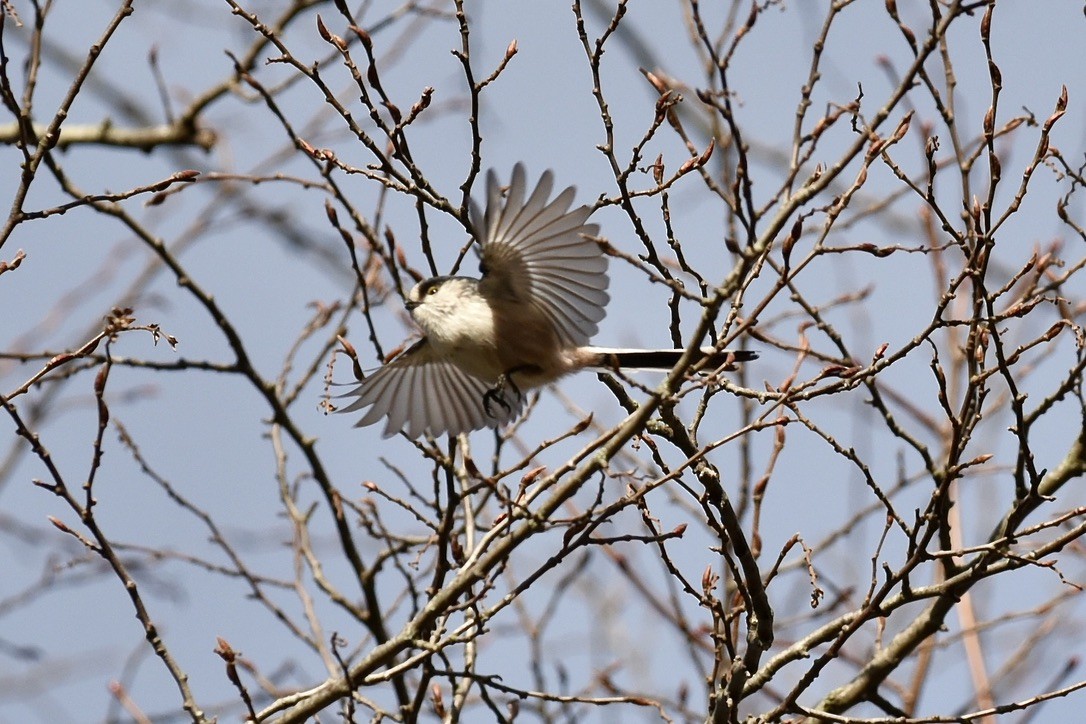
535 250
422 392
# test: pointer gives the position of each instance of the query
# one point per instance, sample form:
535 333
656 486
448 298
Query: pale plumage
525 323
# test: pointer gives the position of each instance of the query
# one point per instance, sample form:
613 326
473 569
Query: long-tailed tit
525 323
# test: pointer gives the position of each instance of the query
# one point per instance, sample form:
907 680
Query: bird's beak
411 305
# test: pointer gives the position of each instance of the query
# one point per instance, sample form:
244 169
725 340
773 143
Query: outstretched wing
535 252
422 392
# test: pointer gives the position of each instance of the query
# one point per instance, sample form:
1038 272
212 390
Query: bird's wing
423 392
536 251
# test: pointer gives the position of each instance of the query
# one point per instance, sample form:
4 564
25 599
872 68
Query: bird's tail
661 359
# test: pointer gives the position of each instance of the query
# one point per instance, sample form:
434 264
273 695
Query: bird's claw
491 396
496 394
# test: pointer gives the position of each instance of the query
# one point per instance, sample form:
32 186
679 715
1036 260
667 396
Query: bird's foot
496 394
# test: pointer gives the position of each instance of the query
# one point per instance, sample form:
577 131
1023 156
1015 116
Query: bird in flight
525 322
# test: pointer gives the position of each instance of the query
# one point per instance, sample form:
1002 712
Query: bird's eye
432 291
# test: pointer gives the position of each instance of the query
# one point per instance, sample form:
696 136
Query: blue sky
207 433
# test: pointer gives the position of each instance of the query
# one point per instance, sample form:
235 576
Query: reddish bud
363 37
439 702
394 111
14 263
424 102
1061 108
704 158
325 34
224 649
709 578
902 128
1052 331
910 36
100 380
658 84
59 525
531 475
861 177
582 425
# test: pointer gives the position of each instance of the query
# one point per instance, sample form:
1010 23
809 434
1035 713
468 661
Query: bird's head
437 303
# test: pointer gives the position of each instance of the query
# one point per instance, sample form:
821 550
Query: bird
524 323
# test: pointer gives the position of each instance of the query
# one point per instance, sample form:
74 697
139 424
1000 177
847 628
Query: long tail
660 359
